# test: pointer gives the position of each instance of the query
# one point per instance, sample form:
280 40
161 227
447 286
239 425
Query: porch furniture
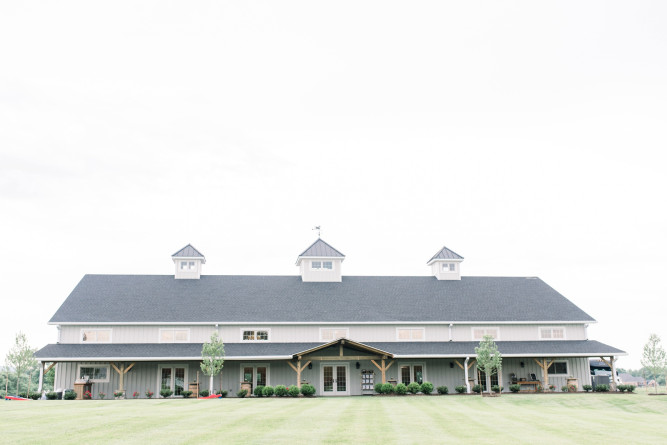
533 383
80 387
194 387
367 381
247 386
513 378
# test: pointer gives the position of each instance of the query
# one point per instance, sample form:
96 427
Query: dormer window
188 265
448 267
321 265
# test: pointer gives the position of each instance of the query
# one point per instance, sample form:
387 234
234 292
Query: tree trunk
210 385
488 383
18 380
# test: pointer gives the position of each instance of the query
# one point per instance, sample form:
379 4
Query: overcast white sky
529 137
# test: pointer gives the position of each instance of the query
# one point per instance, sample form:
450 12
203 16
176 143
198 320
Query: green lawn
516 419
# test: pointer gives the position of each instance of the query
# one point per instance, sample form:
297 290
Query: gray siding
311 333
144 375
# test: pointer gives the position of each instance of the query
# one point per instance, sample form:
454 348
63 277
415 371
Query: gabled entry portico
335 359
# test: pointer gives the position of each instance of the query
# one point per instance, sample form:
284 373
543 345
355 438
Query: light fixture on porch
523 364
451 364
358 365
310 365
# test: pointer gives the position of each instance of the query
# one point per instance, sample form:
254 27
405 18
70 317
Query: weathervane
318 230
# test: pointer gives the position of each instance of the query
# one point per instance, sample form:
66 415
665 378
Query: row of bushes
280 391
413 388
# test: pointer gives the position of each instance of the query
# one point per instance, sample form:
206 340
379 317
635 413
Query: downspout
465 368
451 325
41 376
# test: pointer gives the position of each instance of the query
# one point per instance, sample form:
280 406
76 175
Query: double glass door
173 378
335 380
255 374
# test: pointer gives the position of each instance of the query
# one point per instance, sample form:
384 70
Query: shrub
496 388
565 388
87 395
587 388
259 391
602 388
630 388
443 390
308 390
387 388
280 391
101 395
67 395
427 388
268 391
166 392
221 392
460 389
204 393
621 388
54 395
401 389
149 393
515 388
477 388
294 391
414 387
378 388
118 394
242 393
186 394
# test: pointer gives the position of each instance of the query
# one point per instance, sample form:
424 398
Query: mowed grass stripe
515 419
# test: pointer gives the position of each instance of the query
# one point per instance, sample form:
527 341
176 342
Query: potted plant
149 393
87 395
101 395
119 395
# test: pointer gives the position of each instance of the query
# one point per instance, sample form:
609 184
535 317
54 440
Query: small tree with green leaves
213 357
489 360
21 357
654 358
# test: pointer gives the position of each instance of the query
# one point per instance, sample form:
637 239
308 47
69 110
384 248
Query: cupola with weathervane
446 265
188 262
320 262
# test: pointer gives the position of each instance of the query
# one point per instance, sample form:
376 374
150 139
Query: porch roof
286 351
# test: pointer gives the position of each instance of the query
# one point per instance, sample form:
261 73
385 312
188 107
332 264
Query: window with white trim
188 265
321 265
552 333
94 373
478 333
410 334
95 335
558 368
174 335
255 334
328 334
448 267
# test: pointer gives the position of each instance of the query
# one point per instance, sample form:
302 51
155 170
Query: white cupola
188 262
446 265
320 262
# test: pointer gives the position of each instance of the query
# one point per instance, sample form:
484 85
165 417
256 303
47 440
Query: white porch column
41 376
465 368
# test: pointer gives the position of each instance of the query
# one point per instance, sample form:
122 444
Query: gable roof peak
189 252
445 254
321 249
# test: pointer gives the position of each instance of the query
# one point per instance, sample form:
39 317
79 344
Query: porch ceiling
287 351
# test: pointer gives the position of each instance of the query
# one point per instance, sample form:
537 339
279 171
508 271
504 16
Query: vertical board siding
311 333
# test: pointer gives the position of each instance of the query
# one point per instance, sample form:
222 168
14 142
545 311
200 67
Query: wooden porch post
299 369
611 364
545 371
383 368
41 377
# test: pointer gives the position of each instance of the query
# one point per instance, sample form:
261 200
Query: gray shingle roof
188 251
234 298
405 349
321 249
445 254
